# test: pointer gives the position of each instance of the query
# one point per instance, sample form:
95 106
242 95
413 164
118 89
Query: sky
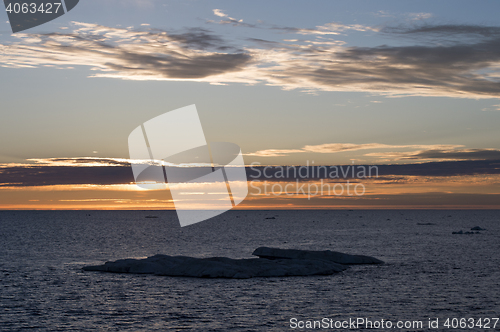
411 87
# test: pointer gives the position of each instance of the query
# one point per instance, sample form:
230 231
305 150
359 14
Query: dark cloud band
44 175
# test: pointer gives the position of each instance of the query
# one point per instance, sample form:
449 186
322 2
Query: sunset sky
412 87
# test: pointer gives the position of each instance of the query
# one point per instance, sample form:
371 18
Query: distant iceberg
273 263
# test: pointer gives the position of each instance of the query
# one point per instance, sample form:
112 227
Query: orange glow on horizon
409 192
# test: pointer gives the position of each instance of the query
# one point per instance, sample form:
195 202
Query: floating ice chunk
462 232
219 267
326 255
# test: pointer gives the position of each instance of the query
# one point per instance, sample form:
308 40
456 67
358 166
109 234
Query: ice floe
272 263
327 255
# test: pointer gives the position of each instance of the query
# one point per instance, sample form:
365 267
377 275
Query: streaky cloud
343 147
464 154
84 171
464 68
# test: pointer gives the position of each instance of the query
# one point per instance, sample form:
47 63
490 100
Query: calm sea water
429 272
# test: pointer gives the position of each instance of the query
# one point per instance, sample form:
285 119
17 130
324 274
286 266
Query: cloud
43 175
419 16
407 16
418 152
441 154
77 162
274 152
379 173
85 170
465 154
113 172
200 39
332 28
127 54
95 162
343 147
228 19
447 60
492 108
452 71
446 30
218 12
383 13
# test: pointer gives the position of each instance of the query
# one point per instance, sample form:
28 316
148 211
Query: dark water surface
429 272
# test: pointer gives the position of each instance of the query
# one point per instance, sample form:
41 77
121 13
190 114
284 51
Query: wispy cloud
466 64
128 54
412 152
420 16
95 162
274 152
343 147
220 13
332 28
492 108
226 19
404 16
446 30
441 154
340 147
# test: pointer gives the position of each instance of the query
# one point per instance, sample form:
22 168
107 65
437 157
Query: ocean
429 274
